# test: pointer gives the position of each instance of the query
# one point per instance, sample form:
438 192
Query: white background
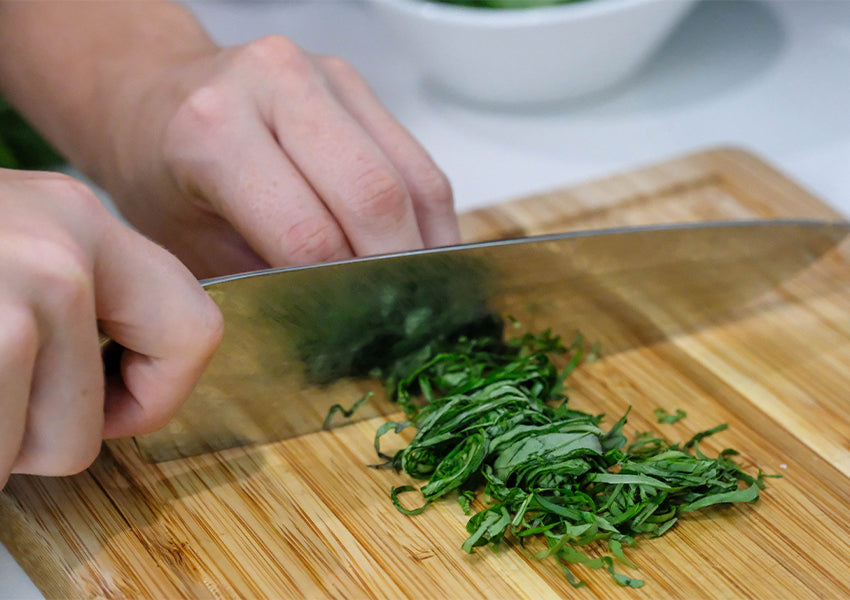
769 77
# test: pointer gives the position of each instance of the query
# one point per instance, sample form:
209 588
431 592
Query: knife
300 340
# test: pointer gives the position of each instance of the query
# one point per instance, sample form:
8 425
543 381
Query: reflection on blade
298 341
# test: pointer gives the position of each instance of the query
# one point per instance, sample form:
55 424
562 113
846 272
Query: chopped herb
345 412
493 414
666 418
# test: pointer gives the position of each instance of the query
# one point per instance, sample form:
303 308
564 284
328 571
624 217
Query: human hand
68 268
263 154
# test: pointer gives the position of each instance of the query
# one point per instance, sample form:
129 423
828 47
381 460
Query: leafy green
491 413
345 412
664 417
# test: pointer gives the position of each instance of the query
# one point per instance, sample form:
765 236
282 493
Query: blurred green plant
386 318
21 146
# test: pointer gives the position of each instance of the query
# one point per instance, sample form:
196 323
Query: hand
263 154
67 268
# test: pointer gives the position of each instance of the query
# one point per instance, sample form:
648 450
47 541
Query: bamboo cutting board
306 518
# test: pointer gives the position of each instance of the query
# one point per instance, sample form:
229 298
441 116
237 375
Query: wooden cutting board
306 518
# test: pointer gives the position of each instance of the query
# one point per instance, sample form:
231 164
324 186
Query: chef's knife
299 340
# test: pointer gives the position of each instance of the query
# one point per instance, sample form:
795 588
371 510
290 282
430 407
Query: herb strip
494 413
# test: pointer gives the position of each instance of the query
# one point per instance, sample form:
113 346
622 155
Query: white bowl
530 55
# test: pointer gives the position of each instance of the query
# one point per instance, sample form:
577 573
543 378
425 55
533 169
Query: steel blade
297 341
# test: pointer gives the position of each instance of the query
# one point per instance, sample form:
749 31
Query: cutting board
307 518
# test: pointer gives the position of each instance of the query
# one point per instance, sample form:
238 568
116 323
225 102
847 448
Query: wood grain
307 518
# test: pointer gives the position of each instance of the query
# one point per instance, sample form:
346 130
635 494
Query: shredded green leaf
664 417
345 412
493 414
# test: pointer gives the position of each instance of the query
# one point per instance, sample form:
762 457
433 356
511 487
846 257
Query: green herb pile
493 413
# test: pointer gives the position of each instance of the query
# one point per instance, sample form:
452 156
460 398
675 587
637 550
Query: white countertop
769 77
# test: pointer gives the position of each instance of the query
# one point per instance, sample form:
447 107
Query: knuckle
205 109
338 68
156 418
20 336
315 240
289 71
380 194
434 190
62 273
276 54
201 116
198 135
70 190
201 329
196 342
211 328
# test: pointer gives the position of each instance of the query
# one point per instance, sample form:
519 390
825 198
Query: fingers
430 190
18 348
149 303
66 266
300 157
54 375
345 166
64 421
268 201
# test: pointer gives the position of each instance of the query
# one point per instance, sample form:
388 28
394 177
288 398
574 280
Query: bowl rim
430 10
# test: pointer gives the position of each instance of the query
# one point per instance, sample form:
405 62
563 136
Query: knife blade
299 340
